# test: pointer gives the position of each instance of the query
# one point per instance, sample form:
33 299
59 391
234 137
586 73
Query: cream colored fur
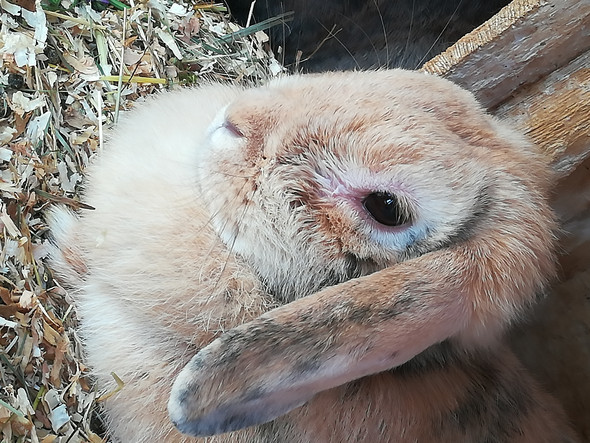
216 205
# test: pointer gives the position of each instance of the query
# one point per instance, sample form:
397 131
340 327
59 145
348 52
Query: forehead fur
303 152
344 103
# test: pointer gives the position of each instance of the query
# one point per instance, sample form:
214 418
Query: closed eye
232 129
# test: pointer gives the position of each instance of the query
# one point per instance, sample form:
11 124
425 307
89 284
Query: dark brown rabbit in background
342 252
364 34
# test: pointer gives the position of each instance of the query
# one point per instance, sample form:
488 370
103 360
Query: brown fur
199 233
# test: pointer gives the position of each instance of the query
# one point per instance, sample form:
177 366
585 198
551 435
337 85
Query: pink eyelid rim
355 196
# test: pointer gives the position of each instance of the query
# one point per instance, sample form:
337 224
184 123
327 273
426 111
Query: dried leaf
4 414
51 335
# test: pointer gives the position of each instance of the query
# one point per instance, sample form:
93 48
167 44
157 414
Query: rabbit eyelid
232 128
223 128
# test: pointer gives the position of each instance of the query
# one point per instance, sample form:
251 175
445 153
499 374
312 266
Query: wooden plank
525 41
555 114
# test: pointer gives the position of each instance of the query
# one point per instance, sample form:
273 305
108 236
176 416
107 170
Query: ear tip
216 422
181 418
179 404
185 410
203 403
176 411
194 428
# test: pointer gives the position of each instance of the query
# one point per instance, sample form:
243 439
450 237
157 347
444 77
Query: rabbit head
403 213
316 180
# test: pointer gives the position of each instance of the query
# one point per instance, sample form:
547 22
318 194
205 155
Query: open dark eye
386 209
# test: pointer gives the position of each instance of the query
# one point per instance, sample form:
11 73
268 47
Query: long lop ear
467 293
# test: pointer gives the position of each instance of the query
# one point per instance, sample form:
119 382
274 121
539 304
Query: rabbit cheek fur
301 162
150 278
207 224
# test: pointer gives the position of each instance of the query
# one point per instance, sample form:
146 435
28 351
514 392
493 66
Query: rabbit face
296 177
315 180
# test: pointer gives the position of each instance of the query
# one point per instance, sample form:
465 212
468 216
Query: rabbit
324 258
363 34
